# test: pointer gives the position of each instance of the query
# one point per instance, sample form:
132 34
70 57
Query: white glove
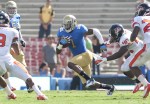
100 60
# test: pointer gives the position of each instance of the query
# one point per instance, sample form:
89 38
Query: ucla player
11 10
72 35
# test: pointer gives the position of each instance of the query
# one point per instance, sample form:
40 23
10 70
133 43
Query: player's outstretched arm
118 54
134 33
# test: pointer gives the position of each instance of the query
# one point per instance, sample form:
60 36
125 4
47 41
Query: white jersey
125 40
6 36
143 22
7 62
134 48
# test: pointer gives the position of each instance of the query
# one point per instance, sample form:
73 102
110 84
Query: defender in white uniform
122 36
141 24
11 10
9 38
3 20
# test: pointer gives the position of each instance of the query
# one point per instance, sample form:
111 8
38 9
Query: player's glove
103 48
22 42
65 40
100 60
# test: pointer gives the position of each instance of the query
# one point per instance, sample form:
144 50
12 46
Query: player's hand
23 43
65 40
103 48
100 60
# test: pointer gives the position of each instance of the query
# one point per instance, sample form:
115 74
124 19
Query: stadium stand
93 13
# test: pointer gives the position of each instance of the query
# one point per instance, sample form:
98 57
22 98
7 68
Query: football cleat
111 90
12 96
137 87
13 89
91 82
146 90
42 97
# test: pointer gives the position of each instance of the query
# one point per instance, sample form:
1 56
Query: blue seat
64 83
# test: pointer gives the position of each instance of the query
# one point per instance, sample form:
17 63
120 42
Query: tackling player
142 56
9 37
11 10
122 36
72 34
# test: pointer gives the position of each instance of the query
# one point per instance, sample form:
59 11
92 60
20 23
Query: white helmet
11 8
69 23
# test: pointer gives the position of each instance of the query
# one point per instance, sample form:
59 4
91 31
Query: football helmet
116 31
69 23
4 18
11 8
142 9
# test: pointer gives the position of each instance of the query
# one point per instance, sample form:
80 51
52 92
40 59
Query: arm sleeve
98 34
136 22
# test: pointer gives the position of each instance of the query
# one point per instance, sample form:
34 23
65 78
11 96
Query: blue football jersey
15 22
77 45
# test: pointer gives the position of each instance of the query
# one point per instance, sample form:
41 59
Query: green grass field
77 97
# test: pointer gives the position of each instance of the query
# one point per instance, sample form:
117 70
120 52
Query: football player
11 10
72 35
142 56
122 36
10 38
141 24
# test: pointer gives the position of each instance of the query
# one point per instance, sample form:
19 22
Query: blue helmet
4 18
116 31
142 9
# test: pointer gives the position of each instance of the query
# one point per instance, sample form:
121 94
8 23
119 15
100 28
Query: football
66 45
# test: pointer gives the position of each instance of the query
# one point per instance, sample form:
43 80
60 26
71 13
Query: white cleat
91 82
111 91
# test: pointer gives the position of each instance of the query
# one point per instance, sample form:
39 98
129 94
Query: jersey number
2 40
72 43
125 42
146 28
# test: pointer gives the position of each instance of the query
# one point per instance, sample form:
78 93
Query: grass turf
77 97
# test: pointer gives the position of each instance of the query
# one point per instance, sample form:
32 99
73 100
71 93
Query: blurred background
99 14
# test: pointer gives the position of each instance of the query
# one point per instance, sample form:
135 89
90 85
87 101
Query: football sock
105 86
36 89
142 79
84 75
8 82
7 90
